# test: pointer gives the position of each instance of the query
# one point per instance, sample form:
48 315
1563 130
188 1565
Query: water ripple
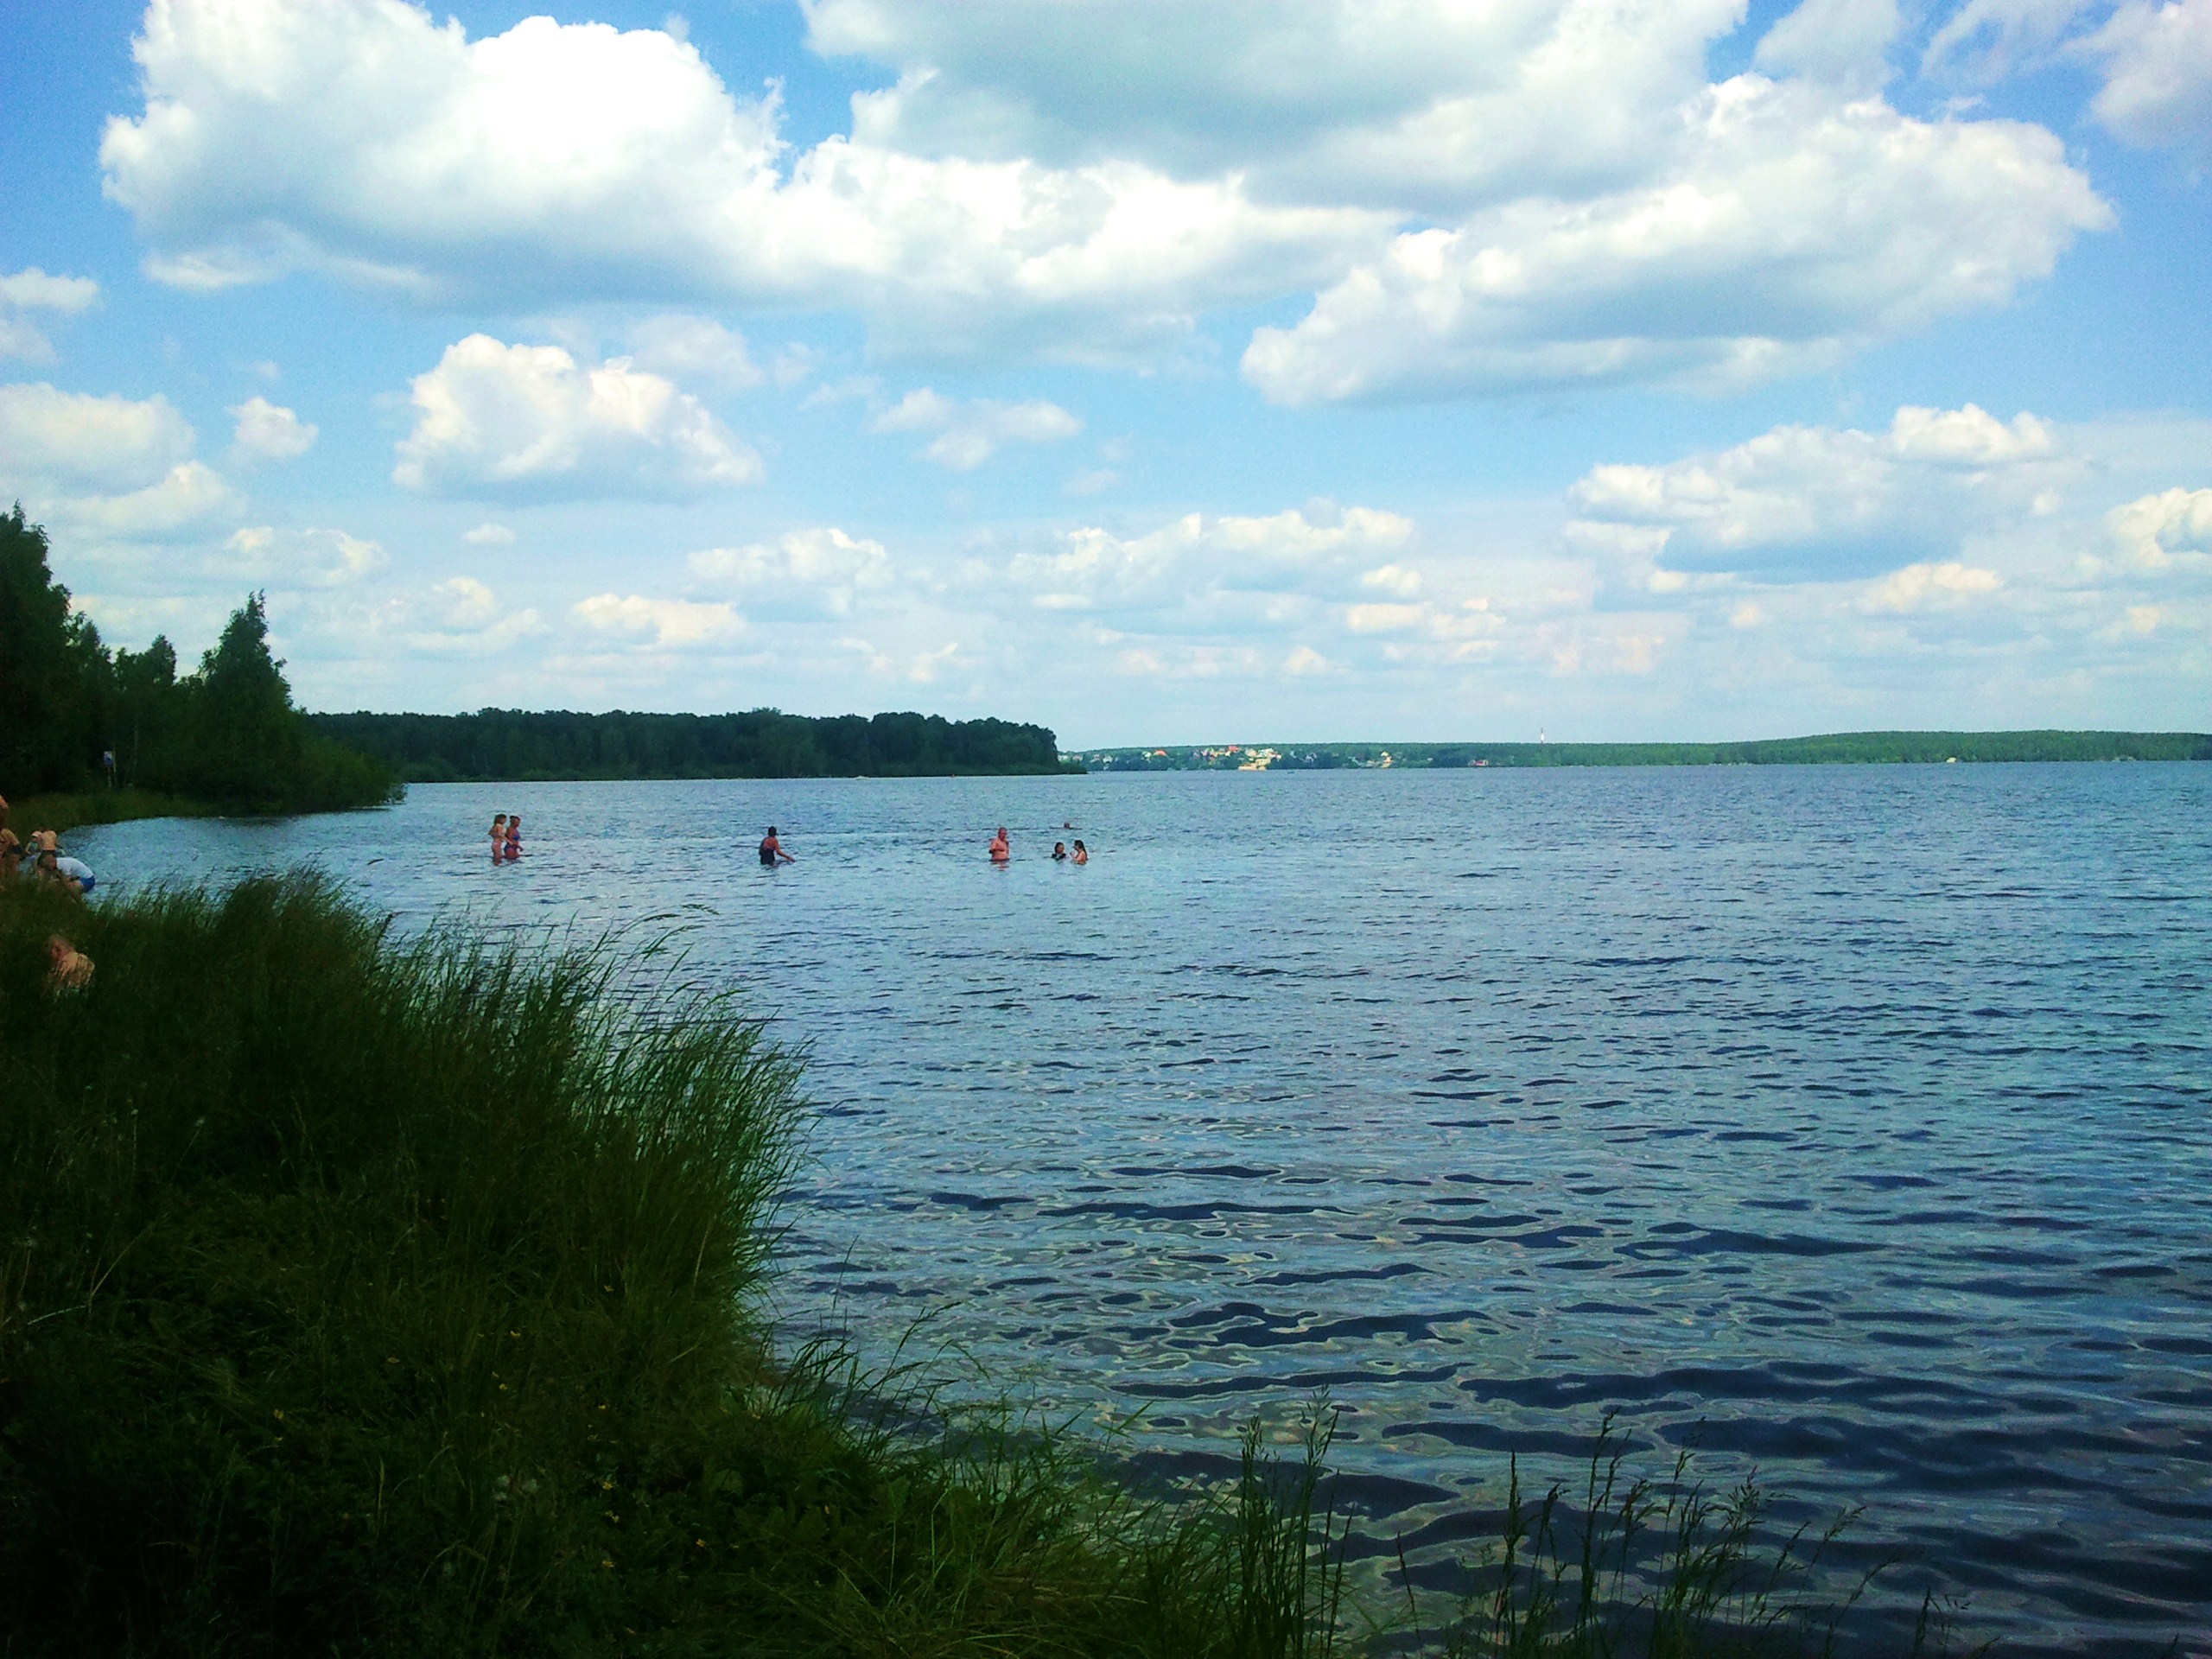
1847 1124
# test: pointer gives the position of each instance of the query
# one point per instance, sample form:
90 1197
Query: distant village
1260 757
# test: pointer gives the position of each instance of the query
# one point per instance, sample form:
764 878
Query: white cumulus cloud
968 434
1840 43
269 556
812 572
270 431
660 624
1918 587
1791 229
76 440
1530 194
530 422
489 535
186 502
695 349
31 290
106 468
556 161
1201 570
1822 502
2154 529
1422 106
2157 65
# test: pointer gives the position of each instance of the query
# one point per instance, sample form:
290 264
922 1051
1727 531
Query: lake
1846 1122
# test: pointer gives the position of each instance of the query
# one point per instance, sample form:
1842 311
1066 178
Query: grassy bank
99 806
367 1298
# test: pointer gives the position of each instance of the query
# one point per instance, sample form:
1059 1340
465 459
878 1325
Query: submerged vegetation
360 1296
226 737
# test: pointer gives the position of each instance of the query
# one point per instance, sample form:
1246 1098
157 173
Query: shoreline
1841 748
85 808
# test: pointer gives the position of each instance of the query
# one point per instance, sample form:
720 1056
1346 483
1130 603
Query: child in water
499 838
514 836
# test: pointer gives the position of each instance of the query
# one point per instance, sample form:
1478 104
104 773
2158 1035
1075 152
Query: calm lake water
1851 1123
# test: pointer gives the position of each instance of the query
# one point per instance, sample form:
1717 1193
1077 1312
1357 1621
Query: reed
72 811
371 1297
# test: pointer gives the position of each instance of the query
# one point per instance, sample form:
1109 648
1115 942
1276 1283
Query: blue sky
1311 368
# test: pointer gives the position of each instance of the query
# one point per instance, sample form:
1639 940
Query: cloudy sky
1163 372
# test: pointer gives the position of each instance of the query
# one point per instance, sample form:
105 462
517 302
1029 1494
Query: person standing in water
514 836
1059 852
771 850
1082 853
499 838
1000 852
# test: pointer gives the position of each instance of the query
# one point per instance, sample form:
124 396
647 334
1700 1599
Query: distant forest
1861 749
80 716
512 745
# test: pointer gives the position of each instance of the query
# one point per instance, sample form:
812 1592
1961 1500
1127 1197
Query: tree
53 670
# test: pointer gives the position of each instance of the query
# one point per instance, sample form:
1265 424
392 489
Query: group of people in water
41 860
1002 850
506 845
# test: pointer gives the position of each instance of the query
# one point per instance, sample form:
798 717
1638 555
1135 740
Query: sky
1258 370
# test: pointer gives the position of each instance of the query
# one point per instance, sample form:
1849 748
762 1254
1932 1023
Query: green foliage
1702 1588
496 744
227 735
54 674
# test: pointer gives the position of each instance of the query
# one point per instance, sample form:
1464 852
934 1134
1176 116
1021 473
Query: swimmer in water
771 850
514 836
1059 852
1082 853
499 838
1001 853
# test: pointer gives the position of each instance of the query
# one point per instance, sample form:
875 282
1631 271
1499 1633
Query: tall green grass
67 812
369 1297
362 1297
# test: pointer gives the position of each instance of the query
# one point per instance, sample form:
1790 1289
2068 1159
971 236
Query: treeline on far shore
80 718
515 745
1840 748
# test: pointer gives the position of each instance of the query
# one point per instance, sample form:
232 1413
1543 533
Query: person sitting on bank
1000 852
771 850
72 876
11 854
68 968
